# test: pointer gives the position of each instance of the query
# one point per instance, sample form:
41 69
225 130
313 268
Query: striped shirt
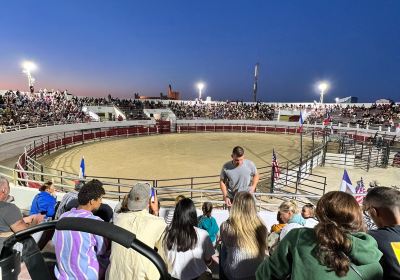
78 253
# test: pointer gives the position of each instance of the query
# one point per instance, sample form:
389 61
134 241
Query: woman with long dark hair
336 248
187 249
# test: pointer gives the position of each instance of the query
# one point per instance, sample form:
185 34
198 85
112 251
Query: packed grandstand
58 107
211 242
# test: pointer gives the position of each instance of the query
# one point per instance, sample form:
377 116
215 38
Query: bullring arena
185 156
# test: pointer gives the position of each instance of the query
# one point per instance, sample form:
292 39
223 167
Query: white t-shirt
190 264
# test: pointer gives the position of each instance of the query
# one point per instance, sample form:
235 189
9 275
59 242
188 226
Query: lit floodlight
28 66
322 87
337 99
200 87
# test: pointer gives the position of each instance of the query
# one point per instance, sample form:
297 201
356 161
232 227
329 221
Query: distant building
171 95
349 99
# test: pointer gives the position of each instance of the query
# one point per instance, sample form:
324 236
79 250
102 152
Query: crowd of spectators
21 108
326 241
54 106
227 111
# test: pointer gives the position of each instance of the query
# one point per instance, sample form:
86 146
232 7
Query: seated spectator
335 248
105 212
170 212
308 213
279 226
186 249
68 197
11 220
207 222
289 213
82 255
148 228
45 201
273 236
244 239
382 204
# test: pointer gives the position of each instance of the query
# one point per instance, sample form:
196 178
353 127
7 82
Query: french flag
82 174
346 185
301 122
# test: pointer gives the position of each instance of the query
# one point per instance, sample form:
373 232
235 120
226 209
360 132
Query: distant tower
255 82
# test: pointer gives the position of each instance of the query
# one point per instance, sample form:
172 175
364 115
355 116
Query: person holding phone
148 228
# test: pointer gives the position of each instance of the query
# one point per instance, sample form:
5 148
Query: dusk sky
93 47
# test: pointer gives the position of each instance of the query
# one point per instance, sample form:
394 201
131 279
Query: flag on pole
301 121
346 185
360 188
82 174
275 166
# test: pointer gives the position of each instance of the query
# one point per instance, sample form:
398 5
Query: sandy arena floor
173 155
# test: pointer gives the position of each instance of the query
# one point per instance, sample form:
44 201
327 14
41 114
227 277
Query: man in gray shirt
11 219
238 175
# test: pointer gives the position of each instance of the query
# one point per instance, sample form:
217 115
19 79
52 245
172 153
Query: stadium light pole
322 86
27 68
200 87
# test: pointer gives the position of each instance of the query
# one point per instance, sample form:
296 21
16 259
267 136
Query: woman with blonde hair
244 239
336 248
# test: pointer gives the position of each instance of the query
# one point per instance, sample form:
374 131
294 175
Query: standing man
238 175
382 204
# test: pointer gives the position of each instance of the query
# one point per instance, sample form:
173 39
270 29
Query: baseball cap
139 196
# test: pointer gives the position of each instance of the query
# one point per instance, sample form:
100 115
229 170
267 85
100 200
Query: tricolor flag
360 188
275 166
301 121
82 173
346 185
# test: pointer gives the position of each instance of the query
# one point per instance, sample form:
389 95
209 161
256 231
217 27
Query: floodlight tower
200 87
322 87
27 68
255 85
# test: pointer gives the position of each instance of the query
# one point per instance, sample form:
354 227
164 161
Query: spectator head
47 187
308 211
207 209
138 197
287 209
91 194
78 185
4 189
179 198
181 232
382 204
246 226
339 214
238 155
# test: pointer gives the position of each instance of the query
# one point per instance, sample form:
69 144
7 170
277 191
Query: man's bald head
4 188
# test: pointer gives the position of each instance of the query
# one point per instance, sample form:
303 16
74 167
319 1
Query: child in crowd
308 213
208 223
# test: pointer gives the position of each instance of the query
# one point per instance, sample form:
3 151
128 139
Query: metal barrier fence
191 185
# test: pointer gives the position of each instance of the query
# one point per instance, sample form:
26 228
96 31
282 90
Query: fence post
34 148
287 171
119 189
65 145
48 144
41 176
191 188
61 179
272 180
83 137
369 157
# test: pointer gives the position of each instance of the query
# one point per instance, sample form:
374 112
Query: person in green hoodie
337 248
